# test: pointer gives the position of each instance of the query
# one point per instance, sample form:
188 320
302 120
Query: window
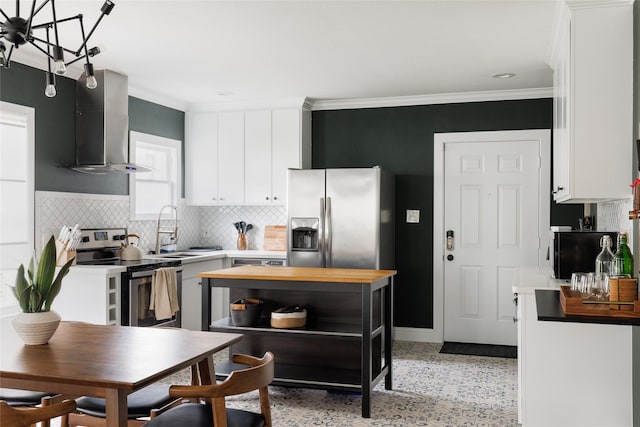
17 142
150 191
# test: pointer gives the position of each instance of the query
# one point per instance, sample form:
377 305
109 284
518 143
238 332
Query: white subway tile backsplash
197 226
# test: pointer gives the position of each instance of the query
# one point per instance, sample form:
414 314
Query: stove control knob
85 239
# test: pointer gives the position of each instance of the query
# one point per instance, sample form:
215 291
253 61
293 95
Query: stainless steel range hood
102 125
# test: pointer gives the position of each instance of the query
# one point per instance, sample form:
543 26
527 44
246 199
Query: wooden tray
275 238
576 306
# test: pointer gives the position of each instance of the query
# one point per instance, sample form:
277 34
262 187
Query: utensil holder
242 242
622 290
63 255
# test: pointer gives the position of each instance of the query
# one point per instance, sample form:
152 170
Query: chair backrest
257 377
22 416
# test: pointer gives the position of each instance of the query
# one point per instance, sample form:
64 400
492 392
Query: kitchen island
346 344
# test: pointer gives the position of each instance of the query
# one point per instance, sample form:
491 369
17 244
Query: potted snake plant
35 293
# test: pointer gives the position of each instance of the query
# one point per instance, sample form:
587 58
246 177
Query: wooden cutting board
275 238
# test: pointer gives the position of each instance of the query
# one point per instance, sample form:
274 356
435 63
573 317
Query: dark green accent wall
400 139
55 130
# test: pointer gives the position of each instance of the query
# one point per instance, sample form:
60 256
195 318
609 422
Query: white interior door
494 203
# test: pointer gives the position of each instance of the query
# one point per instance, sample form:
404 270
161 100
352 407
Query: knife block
63 255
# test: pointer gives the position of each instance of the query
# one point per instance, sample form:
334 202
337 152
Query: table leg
207 371
116 401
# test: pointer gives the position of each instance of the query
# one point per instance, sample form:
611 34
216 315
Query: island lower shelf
333 329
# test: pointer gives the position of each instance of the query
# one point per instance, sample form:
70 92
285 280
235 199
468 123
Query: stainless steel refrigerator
341 218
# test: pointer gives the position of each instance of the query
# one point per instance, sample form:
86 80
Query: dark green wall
55 130
400 139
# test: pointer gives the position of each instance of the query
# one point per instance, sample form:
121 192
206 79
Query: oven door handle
148 273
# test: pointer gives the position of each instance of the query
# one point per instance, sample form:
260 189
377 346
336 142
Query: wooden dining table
106 361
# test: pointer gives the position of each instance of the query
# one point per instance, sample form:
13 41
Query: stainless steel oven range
100 246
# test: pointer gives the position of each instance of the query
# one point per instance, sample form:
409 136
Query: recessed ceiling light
503 75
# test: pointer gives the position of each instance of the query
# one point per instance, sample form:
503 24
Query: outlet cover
413 216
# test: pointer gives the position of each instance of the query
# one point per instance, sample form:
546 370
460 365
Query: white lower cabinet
90 294
191 309
573 374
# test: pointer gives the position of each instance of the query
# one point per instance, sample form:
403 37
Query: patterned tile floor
430 389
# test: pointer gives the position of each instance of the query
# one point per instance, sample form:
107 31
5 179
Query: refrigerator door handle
321 234
328 233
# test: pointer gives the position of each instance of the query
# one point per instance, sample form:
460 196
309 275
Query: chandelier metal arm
5 15
32 43
33 7
48 43
49 24
105 10
91 53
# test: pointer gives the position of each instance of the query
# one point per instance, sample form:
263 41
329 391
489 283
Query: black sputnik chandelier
18 31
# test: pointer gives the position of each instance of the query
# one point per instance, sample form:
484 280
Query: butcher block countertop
300 274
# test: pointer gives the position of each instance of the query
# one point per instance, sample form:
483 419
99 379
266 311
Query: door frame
544 201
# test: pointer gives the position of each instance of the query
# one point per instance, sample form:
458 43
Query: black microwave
576 251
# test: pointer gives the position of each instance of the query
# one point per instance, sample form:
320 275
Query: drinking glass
578 283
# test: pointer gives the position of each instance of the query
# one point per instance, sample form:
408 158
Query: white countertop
197 257
530 278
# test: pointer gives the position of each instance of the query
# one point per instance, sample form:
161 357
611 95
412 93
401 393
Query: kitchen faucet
171 231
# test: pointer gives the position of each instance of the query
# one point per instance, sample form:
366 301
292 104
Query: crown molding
157 98
446 98
295 102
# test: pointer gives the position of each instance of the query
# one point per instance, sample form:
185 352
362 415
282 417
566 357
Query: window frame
167 143
29 114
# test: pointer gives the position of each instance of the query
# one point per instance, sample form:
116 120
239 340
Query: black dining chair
27 398
15 416
212 410
141 405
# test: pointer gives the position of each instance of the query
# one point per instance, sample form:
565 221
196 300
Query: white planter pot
36 328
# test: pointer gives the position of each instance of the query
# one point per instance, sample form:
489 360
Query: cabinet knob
213 198
266 198
558 189
275 197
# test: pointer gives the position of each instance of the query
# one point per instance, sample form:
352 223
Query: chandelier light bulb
59 68
50 89
58 56
92 83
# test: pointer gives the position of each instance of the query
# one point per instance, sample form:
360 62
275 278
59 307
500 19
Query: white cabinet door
594 153
201 158
286 150
257 159
231 158
191 310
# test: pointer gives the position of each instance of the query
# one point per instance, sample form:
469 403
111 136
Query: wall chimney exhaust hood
102 125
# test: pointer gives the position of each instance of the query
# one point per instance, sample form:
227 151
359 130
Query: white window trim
29 114
159 140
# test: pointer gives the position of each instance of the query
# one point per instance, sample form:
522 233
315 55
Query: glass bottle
604 260
623 258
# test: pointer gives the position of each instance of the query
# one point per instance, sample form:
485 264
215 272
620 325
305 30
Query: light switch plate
413 216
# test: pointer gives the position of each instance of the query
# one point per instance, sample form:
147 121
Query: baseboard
415 334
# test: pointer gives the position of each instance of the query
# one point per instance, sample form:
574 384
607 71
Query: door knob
450 257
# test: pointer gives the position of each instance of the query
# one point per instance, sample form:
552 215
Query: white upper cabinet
592 62
201 158
231 158
242 157
258 158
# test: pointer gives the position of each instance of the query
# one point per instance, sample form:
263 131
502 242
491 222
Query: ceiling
193 54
